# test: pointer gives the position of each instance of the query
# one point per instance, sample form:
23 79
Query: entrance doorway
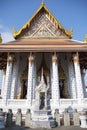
61 86
24 91
42 100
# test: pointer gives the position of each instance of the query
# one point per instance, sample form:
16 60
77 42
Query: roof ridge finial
85 38
0 39
42 2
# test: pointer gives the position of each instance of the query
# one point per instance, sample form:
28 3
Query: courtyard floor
58 128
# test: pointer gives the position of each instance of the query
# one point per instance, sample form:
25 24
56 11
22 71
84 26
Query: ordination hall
43 69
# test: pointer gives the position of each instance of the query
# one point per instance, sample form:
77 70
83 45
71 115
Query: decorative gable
43 25
43 32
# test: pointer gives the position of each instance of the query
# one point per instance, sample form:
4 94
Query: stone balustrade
16 102
1 102
23 103
83 118
84 101
68 102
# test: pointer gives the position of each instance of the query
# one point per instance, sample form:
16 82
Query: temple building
44 68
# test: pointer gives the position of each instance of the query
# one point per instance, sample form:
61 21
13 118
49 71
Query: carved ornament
31 59
0 39
10 58
76 58
54 58
4 72
43 32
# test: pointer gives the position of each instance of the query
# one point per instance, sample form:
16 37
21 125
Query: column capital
54 58
76 58
83 71
3 72
31 58
10 58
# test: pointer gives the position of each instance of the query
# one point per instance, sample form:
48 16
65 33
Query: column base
54 103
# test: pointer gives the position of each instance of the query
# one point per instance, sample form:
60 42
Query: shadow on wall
0 79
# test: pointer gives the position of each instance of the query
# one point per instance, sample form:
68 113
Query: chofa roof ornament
85 38
0 39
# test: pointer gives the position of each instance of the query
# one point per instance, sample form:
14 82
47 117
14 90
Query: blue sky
70 13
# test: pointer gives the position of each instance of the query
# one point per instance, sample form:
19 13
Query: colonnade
10 79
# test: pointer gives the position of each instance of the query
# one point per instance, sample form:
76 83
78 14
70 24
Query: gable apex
50 16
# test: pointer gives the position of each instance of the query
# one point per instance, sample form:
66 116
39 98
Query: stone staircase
42 119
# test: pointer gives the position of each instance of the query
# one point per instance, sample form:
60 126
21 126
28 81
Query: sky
70 13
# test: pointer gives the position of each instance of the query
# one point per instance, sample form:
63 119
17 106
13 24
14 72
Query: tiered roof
51 44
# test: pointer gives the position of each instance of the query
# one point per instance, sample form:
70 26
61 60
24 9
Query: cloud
1 26
6 33
7 37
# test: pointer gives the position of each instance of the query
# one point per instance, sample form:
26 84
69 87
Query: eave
46 45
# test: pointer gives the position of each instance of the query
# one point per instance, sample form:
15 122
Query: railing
1 102
17 102
84 100
68 102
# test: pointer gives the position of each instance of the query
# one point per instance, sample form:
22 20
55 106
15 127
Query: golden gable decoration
51 24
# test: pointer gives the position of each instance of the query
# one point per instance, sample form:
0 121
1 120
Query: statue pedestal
2 122
2 118
42 119
83 118
41 115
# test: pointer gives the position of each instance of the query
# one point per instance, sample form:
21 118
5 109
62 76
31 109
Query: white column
3 82
83 81
72 81
79 85
34 79
14 78
55 82
30 80
8 78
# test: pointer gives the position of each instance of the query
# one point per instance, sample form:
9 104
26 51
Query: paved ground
58 128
